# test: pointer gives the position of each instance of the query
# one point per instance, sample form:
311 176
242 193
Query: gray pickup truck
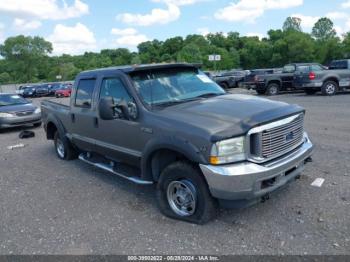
315 78
171 125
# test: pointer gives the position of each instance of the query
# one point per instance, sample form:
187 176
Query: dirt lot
53 207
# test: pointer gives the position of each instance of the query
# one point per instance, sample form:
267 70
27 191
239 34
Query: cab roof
134 68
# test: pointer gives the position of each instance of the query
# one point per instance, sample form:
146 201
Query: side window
113 87
84 92
316 68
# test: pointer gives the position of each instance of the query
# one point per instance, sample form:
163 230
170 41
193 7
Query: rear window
289 69
343 64
84 92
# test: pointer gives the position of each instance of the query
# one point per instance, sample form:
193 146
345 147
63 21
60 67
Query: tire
63 148
203 206
224 86
310 92
329 88
260 92
37 125
272 89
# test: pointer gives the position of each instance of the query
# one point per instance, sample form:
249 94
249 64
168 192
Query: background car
21 89
43 90
29 91
65 91
54 87
230 79
18 111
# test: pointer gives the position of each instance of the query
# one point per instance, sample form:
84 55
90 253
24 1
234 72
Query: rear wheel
329 88
272 89
310 92
183 194
64 149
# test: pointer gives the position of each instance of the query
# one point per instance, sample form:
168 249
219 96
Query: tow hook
265 198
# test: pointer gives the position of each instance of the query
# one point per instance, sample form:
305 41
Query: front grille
24 113
277 139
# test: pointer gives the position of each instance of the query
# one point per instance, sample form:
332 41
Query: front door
120 139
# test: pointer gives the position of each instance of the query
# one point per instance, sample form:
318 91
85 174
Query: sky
76 26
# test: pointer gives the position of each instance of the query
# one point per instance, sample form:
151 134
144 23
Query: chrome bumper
247 180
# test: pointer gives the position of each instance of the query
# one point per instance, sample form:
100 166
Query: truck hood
17 108
228 115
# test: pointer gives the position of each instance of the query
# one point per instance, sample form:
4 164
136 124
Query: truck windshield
175 85
8 100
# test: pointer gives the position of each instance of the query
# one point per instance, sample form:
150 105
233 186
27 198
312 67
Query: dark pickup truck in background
230 79
272 84
171 125
312 79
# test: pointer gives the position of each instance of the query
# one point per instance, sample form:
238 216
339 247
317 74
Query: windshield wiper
171 103
207 95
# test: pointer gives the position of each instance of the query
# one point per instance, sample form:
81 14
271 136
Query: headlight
7 115
37 111
228 151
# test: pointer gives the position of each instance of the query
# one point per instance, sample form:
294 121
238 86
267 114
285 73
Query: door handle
72 117
95 122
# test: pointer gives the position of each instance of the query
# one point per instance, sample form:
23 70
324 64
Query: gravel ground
50 206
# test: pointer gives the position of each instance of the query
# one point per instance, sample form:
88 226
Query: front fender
176 144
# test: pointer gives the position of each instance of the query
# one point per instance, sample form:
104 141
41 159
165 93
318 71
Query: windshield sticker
204 79
15 97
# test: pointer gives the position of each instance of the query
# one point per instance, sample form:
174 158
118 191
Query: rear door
301 75
287 76
82 114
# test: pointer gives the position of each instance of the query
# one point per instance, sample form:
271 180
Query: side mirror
106 108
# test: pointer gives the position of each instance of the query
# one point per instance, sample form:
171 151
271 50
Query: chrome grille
277 138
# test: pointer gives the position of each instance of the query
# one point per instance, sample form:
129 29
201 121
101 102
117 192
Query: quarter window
84 92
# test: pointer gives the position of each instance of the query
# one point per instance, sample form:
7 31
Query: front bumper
20 121
249 181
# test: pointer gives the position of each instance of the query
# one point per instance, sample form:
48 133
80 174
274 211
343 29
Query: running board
110 169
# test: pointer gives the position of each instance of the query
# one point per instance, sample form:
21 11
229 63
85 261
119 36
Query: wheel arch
159 155
53 125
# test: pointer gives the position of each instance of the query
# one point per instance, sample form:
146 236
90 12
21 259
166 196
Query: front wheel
183 194
272 89
329 88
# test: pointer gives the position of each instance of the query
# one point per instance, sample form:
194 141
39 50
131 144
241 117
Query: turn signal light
214 160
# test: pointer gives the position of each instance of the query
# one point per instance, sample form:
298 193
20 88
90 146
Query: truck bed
57 110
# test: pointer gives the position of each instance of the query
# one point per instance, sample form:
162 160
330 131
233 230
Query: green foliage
324 29
292 24
4 78
26 59
24 54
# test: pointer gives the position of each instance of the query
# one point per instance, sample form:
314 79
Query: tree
24 54
292 23
324 29
190 53
4 78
